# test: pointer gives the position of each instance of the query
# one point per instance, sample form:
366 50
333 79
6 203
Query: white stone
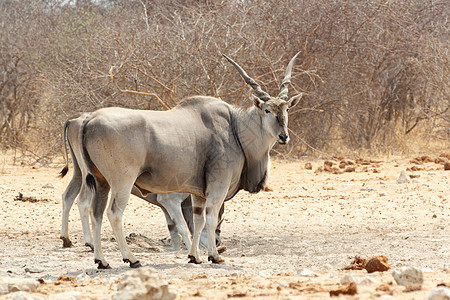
348 278
264 273
143 283
70 295
306 272
403 178
49 185
439 293
431 173
82 277
113 279
9 285
367 281
2 187
415 180
25 296
359 280
408 276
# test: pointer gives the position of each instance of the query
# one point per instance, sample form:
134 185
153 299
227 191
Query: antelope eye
287 109
267 111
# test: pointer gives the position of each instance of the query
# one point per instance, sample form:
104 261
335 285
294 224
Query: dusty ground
314 221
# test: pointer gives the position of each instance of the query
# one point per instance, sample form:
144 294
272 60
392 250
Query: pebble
143 283
408 276
306 272
359 280
49 185
415 180
439 293
82 277
2 187
25 296
9 285
432 173
348 278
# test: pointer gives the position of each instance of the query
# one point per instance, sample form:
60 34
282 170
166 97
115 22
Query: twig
135 92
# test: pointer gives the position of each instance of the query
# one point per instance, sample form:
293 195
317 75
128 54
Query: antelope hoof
134 265
66 242
218 260
90 246
101 266
193 260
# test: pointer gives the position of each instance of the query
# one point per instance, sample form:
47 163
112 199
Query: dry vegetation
375 72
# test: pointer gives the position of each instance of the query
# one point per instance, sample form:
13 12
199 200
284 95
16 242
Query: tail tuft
90 181
64 171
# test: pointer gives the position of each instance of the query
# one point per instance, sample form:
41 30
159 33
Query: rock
439 293
403 178
306 272
328 163
25 296
412 288
264 273
308 166
385 287
447 166
408 276
350 169
377 263
82 277
367 280
359 280
48 186
9 285
415 180
350 289
349 278
143 283
382 194
432 173
357 264
71 295
2 187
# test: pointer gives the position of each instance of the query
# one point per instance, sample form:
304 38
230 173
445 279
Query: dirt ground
311 220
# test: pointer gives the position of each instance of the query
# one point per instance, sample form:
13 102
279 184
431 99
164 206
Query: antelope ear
257 102
295 100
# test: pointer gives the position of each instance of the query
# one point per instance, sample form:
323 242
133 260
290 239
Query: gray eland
204 147
175 206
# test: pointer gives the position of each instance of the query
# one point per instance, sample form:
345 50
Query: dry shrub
374 74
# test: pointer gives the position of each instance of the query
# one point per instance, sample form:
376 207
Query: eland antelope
177 207
204 147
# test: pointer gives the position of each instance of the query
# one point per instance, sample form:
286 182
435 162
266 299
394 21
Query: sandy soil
318 221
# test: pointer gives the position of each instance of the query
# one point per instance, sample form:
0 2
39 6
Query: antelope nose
283 137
